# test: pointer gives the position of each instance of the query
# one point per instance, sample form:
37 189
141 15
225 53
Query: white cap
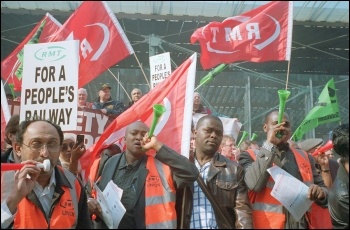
68 136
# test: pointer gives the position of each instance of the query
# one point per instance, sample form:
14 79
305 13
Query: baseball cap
311 143
105 86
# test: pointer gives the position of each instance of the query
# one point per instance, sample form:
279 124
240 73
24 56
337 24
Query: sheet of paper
112 186
106 213
291 192
112 194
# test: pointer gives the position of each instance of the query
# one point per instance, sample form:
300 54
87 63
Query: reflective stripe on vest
268 211
160 196
267 207
64 214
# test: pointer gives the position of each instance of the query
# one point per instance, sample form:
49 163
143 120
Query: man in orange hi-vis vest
149 172
267 211
43 199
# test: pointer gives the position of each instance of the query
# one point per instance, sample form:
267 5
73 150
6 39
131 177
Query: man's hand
315 193
322 160
151 143
77 152
273 139
24 183
94 207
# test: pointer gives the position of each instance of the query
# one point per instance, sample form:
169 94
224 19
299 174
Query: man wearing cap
324 166
106 104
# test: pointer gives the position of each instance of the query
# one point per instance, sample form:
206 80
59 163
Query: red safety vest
64 214
160 196
268 212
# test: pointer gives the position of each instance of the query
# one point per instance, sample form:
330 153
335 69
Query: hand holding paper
112 208
290 192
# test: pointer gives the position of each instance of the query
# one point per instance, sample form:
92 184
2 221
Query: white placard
50 82
160 68
231 125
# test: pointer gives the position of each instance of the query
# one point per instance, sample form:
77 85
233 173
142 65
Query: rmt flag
263 34
103 42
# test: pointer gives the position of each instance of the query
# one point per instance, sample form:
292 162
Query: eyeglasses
231 146
38 147
65 146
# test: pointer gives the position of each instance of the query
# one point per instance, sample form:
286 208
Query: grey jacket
256 175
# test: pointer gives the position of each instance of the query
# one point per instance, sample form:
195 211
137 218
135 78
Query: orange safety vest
160 196
64 214
268 212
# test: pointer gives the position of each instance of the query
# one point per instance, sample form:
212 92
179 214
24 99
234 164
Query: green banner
325 111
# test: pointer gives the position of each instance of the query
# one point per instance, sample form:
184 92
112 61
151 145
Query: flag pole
142 71
287 75
120 84
210 76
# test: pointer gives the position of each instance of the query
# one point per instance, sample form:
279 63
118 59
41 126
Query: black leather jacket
226 182
338 200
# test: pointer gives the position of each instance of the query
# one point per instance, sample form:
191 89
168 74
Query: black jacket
184 173
338 200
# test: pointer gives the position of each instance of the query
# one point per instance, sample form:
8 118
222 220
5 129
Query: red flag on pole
5 114
260 35
173 128
103 42
11 63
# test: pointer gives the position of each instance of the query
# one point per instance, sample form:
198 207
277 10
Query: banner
90 122
11 63
103 42
160 68
325 111
50 83
174 126
260 35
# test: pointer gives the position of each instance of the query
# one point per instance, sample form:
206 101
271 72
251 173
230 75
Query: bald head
136 125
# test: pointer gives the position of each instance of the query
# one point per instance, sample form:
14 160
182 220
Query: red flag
263 34
5 114
103 42
173 128
11 63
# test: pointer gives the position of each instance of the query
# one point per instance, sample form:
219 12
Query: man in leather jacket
223 178
338 201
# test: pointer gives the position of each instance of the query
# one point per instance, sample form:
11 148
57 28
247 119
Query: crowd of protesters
220 185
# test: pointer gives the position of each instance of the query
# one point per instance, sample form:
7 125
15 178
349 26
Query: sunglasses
65 146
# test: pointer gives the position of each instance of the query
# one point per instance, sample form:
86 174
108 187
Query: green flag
325 111
20 55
